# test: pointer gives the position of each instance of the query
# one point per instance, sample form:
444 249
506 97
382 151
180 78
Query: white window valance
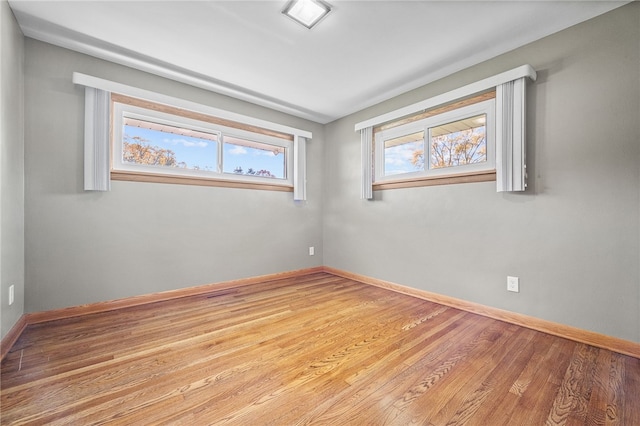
511 166
299 168
96 140
366 140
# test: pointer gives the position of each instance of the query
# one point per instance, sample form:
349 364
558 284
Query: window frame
474 172
122 106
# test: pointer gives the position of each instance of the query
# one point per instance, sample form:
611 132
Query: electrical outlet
11 294
312 251
513 284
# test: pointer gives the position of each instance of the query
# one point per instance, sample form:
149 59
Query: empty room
320 212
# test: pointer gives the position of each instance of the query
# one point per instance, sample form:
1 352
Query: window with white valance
494 148
204 145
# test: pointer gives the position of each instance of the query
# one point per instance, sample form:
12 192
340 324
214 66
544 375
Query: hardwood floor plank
323 370
65 348
376 359
366 378
536 402
629 393
472 387
571 396
236 358
315 349
494 391
596 410
529 385
390 397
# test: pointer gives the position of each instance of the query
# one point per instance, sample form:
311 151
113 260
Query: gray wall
11 168
142 238
572 238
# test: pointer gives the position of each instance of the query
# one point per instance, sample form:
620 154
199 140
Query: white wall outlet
513 284
312 251
11 294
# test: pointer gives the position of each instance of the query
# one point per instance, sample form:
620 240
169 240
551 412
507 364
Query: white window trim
121 110
94 139
485 107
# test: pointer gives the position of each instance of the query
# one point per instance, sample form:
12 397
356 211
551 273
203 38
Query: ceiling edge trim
49 33
123 89
461 92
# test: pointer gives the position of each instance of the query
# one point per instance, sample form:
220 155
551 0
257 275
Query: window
458 147
148 142
157 140
252 158
134 134
458 141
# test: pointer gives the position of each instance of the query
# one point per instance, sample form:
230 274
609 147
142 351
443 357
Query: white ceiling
364 52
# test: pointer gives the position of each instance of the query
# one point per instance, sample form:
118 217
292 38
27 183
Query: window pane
458 143
154 144
404 154
250 158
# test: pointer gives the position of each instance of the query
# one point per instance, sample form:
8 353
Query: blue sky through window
254 161
400 158
195 152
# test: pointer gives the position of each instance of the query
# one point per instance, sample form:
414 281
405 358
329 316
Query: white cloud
400 154
237 150
398 159
186 143
395 161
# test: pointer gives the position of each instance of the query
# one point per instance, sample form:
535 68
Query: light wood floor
317 349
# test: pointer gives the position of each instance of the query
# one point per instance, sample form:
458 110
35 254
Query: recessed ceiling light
307 12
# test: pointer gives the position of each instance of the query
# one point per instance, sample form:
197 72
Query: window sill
192 180
484 176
